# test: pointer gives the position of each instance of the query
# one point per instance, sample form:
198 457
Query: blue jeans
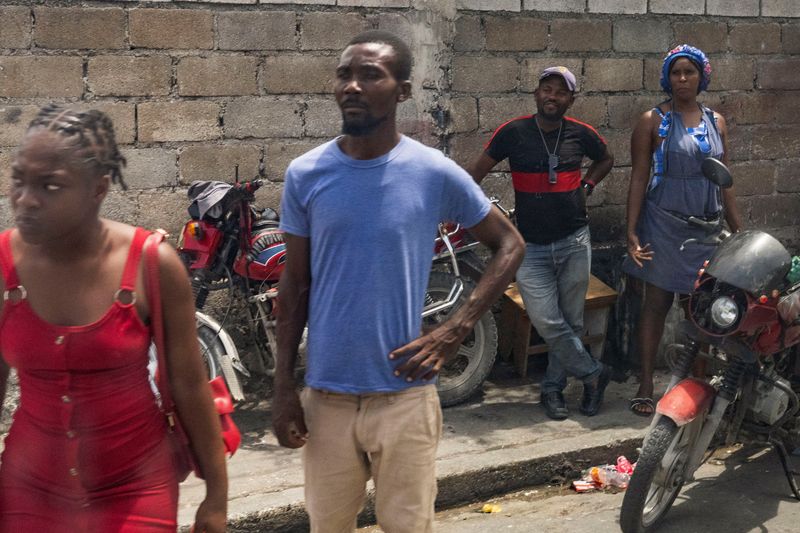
552 280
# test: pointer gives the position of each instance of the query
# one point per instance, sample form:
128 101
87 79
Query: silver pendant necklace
552 158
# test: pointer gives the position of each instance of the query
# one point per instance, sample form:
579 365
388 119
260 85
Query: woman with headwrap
668 145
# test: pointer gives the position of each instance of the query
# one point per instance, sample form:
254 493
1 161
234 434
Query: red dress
87 450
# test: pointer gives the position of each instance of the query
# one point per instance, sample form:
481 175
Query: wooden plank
597 295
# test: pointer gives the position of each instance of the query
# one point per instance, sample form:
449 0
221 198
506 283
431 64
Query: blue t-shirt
371 226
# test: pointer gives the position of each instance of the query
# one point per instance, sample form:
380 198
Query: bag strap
7 262
153 284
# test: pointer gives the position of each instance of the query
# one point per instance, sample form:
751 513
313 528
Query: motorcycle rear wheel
659 475
211 349
463 376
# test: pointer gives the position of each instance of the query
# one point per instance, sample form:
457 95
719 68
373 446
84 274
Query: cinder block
494 111
329 31
790 37
171 28
578 35
748 108
532 69
299 74
218 162
652 74
628 7
375 3
489 5
484 74
517 33
773 211
281 152
165 209
463 114
732 74
467 147
780 8
81 27
607 223
614 188
398 24
710 37
6 160
194 120
753 177
14 120
613 74
732 8
15 27
217 76
775 142
619 142
122 115
787 176
779 74
468 34
262 117
573 6
787 107
636 35
740 142
323 118
123 207
129 75
755 38
300 2
677 7
34 76
592 110
624 111
256 30
149 168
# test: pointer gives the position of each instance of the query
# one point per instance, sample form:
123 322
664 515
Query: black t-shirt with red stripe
547 212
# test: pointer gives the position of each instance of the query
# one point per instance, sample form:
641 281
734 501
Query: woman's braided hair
92 132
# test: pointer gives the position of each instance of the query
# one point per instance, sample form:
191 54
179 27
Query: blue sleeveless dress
676 191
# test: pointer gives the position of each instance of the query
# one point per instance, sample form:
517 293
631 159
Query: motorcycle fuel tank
751 260
265 257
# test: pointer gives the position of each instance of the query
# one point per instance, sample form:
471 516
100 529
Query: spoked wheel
659 475
461 377
211 349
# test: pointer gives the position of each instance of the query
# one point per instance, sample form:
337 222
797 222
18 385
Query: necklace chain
558 138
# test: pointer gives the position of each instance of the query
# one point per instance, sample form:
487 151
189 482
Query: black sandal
647 403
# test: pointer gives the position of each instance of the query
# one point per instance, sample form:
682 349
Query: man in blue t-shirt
360 213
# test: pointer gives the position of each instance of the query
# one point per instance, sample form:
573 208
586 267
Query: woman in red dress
88 450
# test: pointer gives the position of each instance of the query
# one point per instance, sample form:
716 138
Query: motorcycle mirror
716 171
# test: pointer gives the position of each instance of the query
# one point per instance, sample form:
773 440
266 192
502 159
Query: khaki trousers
389 436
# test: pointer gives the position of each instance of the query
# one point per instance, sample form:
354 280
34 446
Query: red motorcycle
746 307
235 255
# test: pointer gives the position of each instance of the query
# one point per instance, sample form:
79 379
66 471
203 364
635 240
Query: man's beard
362 126
552 117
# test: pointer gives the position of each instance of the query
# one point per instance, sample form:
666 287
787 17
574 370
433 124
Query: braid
91 131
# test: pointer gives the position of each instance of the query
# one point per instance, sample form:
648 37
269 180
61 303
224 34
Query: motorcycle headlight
724 312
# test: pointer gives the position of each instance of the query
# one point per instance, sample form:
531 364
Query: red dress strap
132 263
7 261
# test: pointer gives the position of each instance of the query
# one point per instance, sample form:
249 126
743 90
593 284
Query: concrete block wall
196 87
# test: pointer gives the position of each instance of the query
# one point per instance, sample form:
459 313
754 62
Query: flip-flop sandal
647 403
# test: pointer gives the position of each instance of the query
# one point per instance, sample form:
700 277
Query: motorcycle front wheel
660 473
461 377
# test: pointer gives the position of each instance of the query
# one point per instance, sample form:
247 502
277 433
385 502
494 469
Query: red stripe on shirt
538 181
588 126
501 126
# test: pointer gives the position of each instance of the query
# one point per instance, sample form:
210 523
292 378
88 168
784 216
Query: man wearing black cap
545 152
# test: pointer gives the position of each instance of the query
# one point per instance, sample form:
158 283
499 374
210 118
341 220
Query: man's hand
287 418
210 518
425 355
637 252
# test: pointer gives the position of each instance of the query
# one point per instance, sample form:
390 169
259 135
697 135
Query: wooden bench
519 338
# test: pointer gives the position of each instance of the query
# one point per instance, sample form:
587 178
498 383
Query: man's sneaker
593 393
554 405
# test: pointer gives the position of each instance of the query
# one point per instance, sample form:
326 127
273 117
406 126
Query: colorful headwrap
696 56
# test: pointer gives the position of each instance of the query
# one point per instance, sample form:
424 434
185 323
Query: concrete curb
459 488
